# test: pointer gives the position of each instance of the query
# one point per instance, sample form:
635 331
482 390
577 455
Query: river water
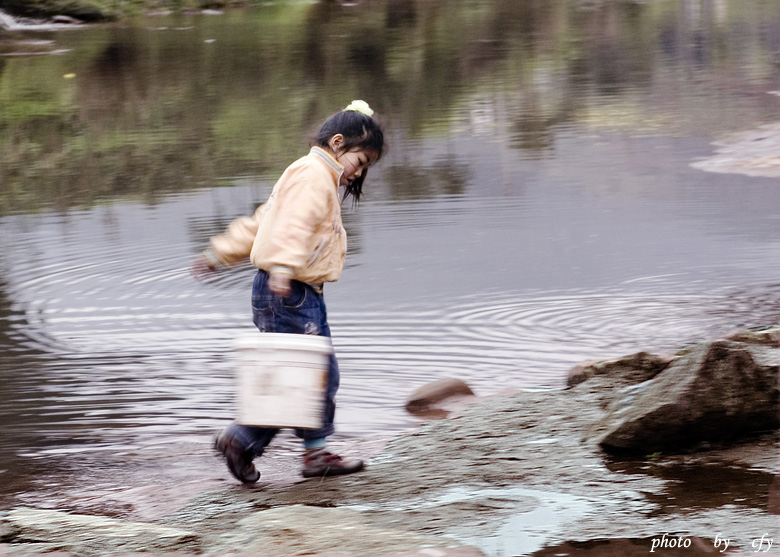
537 206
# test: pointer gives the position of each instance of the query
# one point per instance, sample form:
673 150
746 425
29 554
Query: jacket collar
335 166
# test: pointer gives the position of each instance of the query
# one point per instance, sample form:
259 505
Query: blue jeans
302 312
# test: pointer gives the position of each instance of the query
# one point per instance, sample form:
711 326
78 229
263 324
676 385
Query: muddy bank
517 475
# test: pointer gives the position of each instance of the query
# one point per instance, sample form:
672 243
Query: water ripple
125 355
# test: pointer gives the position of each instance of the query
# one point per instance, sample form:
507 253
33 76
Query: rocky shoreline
518 475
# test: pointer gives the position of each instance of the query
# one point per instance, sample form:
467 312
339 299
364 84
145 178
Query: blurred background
537 206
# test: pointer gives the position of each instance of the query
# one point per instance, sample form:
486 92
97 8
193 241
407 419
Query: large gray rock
712 392
92 534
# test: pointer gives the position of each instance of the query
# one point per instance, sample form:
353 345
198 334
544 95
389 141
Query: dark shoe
320 462
239 461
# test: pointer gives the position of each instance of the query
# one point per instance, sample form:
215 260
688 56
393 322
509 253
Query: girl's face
355 161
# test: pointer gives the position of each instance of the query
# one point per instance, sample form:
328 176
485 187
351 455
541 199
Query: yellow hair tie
360 106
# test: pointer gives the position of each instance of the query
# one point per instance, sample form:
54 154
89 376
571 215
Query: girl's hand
202 269
279 284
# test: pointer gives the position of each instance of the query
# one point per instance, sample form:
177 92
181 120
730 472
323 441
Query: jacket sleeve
234 245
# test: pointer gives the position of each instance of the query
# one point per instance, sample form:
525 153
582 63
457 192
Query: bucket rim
283 341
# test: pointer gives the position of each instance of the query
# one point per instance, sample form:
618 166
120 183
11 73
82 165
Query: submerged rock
712 392
431 396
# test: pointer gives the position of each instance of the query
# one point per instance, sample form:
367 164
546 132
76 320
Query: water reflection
536 207
20 366
688 490
444 176
177 102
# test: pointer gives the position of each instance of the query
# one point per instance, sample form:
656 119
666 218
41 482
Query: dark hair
360 131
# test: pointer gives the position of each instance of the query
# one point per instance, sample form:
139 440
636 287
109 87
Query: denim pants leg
302 312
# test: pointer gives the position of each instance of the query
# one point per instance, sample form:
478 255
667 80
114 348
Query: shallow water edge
508 476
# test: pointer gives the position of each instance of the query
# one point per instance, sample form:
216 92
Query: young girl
297 241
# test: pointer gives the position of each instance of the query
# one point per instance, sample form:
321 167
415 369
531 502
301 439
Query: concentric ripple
162 368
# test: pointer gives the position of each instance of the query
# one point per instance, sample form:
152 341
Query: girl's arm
229 248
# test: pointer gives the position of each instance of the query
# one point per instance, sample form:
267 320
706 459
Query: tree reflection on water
181 102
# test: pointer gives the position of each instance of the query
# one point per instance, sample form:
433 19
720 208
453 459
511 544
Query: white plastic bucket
282 379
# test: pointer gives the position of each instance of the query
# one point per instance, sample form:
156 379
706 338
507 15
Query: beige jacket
298 231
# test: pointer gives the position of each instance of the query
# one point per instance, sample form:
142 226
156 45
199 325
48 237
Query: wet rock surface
56 530
519 475
630 370
303 529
